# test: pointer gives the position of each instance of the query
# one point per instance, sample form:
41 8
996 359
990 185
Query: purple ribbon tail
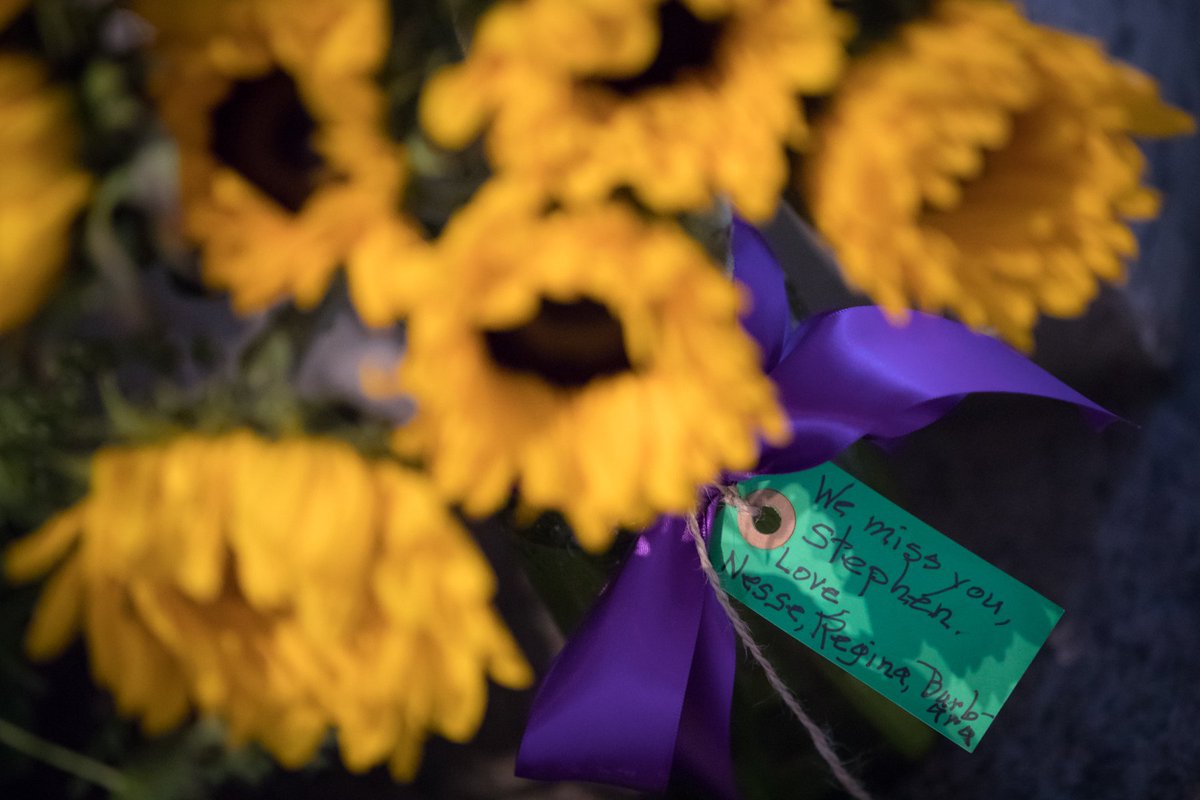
640 696
854 373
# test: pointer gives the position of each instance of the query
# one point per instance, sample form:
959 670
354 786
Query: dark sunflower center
263 131
877 20
566 344
688 44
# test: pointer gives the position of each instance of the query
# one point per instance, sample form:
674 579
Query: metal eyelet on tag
775 523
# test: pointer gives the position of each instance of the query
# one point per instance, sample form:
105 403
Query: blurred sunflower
588 357
287 172
678 100
983 164
41 185
286 587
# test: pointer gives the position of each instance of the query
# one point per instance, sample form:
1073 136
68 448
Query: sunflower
286 170
678 100
41 186
983 164
286 587
588 357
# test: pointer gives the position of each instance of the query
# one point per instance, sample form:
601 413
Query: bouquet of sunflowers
300 297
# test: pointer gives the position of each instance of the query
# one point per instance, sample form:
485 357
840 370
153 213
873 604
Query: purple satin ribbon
640 695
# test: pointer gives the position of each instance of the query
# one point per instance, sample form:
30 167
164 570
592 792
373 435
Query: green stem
107 253
60 757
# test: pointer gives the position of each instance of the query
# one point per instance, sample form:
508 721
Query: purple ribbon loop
640 695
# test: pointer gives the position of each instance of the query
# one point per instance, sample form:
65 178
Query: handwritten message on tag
915 616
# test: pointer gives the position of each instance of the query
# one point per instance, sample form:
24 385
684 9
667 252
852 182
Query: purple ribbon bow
641 694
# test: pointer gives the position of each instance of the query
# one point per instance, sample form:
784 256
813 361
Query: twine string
729 496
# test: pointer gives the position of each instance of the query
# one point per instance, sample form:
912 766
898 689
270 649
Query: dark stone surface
1108 526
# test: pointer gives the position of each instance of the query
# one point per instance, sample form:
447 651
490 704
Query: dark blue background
1107 526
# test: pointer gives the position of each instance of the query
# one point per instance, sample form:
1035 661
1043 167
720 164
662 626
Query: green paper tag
923 621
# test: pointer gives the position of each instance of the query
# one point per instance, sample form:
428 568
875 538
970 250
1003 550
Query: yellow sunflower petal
41 186
287 173
982 164
679 100
9 10
358 604
36 554
58 615
538 393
